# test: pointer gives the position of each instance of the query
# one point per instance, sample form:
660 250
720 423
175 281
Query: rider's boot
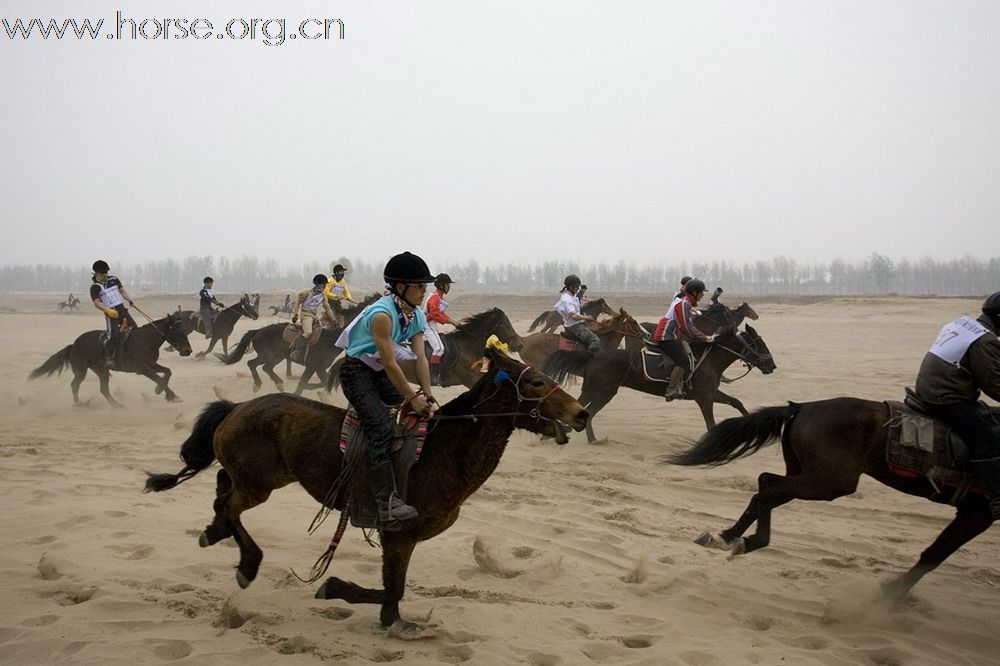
298 347
390 506
675 389
987 472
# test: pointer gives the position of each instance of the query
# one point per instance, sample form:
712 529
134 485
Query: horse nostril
582 417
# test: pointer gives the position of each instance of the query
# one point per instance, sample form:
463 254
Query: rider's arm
984 362
382 332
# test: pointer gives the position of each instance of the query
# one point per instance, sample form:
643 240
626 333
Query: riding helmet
407 267
685 280
991 305
571 281
443 279
339 268
208 280
319 279
694 285
101 266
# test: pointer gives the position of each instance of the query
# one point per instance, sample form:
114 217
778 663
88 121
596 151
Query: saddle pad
924 446
655 366
406 450
566 344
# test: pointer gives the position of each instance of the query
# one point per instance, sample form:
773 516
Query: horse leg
288 367
707 406
225 346
307 372
396 554
972 519
252 364
211 346
725 399
165 383
228 508
74 385
594 404
104 376
269 369
217 530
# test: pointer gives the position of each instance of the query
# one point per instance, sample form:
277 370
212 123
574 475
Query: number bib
955 338
111 297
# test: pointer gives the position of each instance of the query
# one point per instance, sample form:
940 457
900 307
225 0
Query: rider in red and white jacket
435 308
673 332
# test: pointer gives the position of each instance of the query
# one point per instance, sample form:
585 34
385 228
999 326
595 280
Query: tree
881 269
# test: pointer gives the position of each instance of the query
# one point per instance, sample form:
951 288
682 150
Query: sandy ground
585 552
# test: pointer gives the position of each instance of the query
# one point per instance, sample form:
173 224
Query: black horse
604 373
225 321
709 321
271 348
69 305
827 445
463 347
139 355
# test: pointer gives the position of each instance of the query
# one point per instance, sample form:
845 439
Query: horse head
542 406
605 308
747 312
754 350
176 334
623 323
248 306
492 322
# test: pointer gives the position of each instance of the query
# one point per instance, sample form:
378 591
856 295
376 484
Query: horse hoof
175 398
204 541
709 540
158 390
408 630
256 388
739 547
243 581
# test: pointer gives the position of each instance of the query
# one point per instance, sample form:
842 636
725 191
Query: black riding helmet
693 286
571 280
442 279
101 266
339 268
991 306
319 279
685 280
407 268
208 280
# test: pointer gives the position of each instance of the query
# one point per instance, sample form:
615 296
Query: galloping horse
463 347
709 321
553 319
69 305
139 355
539 346
604 373
827 445
272 349
272 441
224 322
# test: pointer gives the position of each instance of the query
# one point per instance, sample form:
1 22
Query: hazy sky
507 131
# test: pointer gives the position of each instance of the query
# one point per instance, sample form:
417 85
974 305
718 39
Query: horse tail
538 321
245 345
333 381
56 363
196 451
736 437
559 365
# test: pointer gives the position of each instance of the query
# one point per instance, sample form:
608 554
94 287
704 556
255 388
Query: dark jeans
208 316
675 350
114 344
369 391
974 428
586 336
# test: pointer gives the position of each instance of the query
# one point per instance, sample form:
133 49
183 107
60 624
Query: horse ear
749 329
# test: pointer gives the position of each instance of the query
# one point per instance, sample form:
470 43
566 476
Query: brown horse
827 445
225 321
139 355
553 319
539 346
275 440
463 347
604 373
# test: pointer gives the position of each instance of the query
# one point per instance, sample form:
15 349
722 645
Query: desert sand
580 554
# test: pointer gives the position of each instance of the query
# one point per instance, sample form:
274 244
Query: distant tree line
878 274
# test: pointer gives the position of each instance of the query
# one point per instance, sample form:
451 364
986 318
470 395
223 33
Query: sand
580 554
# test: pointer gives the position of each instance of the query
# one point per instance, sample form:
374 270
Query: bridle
750 357
501 378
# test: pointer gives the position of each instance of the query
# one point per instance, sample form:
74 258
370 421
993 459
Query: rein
533 413
741 355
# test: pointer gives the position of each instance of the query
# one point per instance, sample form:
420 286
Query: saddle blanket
922 446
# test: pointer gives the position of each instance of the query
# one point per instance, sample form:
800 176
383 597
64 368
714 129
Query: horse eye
538 383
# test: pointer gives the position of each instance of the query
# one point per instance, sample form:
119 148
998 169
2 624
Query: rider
314 307
962 362
372 378
207 300
434 310
337 291
574 322
673 332
108 295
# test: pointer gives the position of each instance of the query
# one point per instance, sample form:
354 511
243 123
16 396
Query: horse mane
473 325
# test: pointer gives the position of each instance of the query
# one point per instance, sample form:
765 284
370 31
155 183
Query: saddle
921 446
568 342
292 332
107 346
655 366
355 492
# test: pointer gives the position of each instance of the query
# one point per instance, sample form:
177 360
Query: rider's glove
131 303
295 318
111 313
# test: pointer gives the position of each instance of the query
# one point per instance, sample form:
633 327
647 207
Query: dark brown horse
539 346
463 347
827 445
224 322
553 319
709 321
272 349
275 440
604 373
139 355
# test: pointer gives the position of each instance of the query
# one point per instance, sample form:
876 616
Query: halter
745 354
534 413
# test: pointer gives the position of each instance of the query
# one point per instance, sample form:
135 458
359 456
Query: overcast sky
507 131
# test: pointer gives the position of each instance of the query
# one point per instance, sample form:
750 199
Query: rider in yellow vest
337 292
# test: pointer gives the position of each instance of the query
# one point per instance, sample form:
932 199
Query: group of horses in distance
277 439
